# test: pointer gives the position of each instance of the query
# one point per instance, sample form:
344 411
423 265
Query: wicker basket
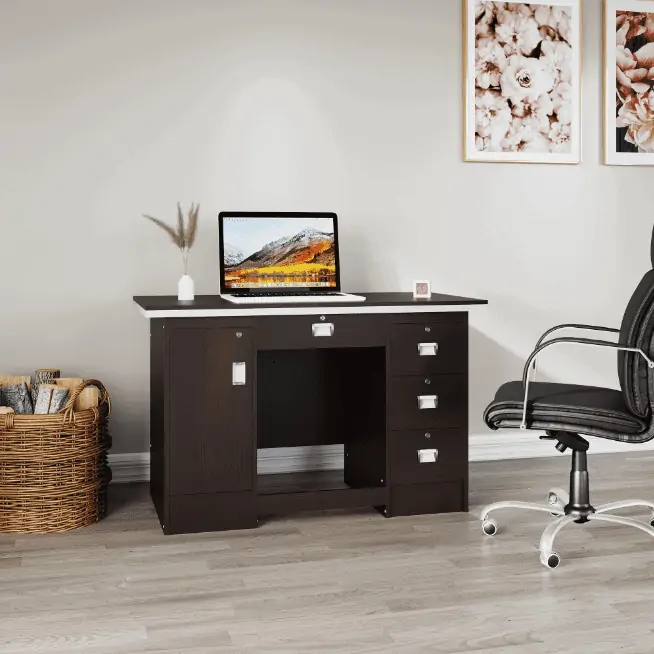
53 468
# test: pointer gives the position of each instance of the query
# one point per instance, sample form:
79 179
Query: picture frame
629 82
422 289
522 68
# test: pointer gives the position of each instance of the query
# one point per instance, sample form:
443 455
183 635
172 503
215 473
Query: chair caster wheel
550 560
489 527
557 499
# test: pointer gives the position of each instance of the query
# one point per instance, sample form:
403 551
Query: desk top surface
207 306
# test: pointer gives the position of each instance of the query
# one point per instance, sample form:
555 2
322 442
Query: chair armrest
578 341
594 328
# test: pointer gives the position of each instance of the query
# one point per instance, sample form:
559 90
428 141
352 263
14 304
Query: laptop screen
277 252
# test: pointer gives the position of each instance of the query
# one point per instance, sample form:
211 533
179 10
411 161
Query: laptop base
317 298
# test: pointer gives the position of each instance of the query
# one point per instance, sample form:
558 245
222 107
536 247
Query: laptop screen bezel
225 290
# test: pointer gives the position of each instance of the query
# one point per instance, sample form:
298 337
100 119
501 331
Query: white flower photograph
629 84
523 81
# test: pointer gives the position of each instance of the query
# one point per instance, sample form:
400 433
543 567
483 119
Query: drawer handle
322 329
238 373
427 456
427 349
428 401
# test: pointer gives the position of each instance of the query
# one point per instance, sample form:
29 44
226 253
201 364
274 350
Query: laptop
273 257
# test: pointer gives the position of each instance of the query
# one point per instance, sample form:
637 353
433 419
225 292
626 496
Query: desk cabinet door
211 410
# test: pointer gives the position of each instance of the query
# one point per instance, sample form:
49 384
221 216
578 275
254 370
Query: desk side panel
363 395
158 368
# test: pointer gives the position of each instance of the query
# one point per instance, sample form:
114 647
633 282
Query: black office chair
564 411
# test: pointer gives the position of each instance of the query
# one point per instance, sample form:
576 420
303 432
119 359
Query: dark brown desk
388 379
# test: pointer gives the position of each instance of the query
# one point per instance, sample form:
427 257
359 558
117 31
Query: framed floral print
629 82
523 81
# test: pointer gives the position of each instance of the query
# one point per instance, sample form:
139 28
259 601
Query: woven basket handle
104 396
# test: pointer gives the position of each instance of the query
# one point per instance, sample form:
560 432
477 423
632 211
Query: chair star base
570 507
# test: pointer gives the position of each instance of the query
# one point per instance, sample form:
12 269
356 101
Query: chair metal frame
540 346
559 502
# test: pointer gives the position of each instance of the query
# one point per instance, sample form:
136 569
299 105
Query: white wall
113 108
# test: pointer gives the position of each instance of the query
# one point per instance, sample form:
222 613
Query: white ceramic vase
186 289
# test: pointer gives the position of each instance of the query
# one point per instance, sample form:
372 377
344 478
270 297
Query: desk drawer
321 331
420 499
425 456
428 402
429 348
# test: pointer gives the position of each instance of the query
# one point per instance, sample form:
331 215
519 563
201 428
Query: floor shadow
121 496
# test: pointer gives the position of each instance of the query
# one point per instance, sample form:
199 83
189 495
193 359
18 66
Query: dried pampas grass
192 227
183 236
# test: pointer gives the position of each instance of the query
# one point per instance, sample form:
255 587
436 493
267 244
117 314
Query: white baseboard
130 468
299 459
491 446
516 444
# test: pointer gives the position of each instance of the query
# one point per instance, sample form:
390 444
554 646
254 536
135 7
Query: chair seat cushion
585 409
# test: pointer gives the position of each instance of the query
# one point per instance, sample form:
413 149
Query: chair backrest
637 330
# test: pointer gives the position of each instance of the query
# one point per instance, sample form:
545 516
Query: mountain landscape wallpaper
261 253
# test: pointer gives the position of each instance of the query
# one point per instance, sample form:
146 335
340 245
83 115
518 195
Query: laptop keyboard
284 294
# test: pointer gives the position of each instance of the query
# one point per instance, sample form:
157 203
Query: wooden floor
342 582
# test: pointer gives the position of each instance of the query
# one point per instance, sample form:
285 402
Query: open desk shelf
304 491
